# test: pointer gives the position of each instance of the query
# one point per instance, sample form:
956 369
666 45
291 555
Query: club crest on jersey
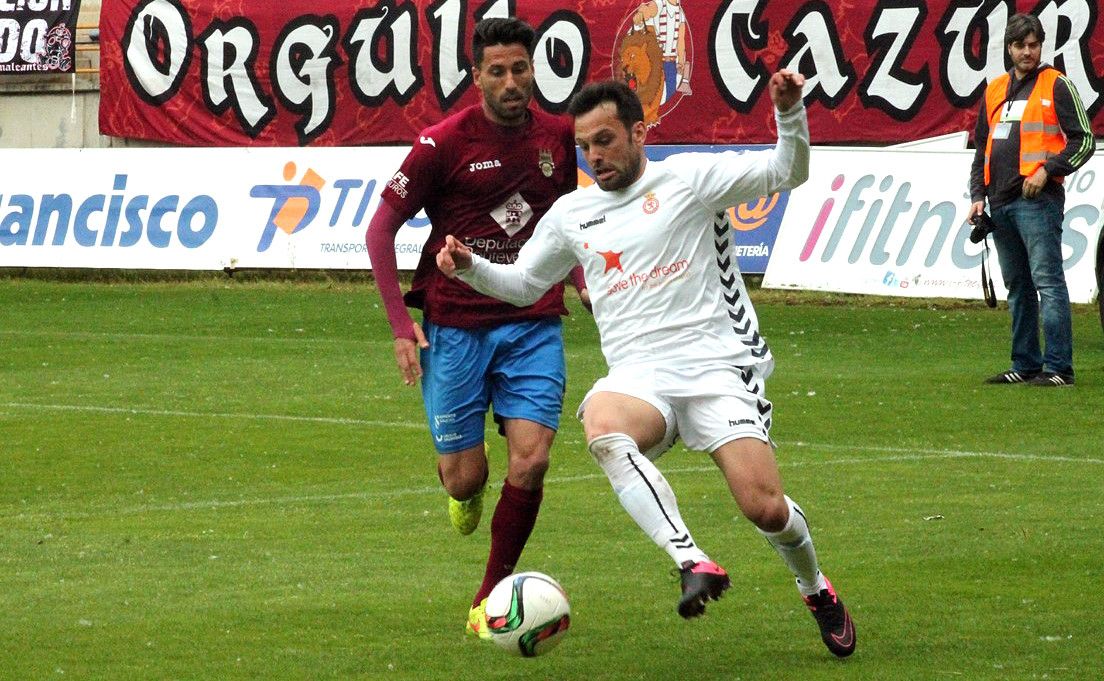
651 203
513 214
545 162
514 211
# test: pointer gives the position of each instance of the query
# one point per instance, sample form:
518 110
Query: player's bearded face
615 153
506 80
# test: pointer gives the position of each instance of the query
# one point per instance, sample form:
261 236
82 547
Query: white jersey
658 255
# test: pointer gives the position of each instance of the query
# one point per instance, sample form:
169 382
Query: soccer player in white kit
677 328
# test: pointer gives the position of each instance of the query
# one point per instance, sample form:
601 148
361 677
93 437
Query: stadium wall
57 110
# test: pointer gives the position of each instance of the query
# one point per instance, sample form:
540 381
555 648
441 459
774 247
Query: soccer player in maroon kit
485 174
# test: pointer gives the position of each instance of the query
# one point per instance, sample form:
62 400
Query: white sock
646 495
794 543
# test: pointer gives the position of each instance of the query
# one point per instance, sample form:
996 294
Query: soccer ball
528 613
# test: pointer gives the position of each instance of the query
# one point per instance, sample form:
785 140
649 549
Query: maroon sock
514 517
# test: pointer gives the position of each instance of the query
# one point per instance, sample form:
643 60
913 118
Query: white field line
115 336
205 338
142 411
418 425
377 496
937 453
380 496
893 455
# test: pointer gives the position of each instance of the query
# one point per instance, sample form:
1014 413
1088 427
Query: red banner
323 72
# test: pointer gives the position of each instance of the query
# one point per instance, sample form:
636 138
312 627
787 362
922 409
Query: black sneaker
1012 377
701 581
836 628
1049 379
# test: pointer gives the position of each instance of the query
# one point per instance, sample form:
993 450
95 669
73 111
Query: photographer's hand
976 209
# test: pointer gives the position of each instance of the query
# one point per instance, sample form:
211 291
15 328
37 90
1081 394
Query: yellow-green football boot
465 515
477 621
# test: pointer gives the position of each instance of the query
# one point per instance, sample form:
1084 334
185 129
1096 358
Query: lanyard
1016 85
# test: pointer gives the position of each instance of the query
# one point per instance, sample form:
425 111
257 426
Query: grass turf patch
226 479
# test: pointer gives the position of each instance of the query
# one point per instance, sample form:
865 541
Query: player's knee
528 460
769 512
603 418
463 477
598 426
463 488
611 426
529 467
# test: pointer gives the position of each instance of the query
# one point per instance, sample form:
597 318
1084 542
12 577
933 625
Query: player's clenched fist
453 257
785 88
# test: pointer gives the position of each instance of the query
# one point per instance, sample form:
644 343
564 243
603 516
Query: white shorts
706 407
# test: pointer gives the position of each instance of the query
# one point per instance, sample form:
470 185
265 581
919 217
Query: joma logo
484 165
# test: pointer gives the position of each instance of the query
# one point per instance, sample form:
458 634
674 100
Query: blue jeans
1029 249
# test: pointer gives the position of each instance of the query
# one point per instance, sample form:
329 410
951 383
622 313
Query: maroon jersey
487 185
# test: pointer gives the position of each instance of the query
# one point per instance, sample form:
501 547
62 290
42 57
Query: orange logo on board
749 216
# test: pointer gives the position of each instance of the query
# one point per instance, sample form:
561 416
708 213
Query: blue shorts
517 367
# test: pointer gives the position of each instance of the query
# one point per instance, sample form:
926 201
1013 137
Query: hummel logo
590 223
427 140
683 542
741 422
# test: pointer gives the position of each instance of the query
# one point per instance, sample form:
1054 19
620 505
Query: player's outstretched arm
454 257
541 263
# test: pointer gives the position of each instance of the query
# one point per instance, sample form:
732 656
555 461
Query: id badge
1002 131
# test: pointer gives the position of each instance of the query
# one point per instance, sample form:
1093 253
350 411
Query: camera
983 224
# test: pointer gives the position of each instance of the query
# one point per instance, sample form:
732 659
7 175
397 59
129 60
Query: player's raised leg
618 426
752 474
519 502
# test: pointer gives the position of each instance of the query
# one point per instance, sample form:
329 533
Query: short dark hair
629 109
496 31
1022 25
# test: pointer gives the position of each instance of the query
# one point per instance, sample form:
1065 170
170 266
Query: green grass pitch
223 479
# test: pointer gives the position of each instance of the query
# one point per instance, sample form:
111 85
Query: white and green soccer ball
528 613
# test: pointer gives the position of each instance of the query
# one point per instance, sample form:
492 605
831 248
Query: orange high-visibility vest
1040 134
